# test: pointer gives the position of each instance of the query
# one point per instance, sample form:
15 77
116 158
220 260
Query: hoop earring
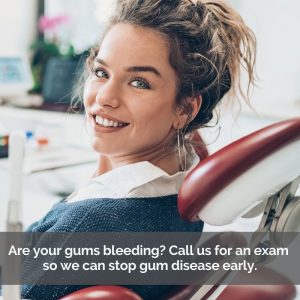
181 150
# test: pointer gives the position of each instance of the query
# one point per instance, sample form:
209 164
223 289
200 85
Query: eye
100 73
140 83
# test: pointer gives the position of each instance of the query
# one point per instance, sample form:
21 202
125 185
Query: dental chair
257 173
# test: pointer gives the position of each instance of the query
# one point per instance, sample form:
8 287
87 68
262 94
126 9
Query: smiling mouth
108 123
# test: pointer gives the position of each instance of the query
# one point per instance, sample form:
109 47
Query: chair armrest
103 293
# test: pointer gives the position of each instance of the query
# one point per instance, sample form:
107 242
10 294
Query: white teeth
107 123
98 120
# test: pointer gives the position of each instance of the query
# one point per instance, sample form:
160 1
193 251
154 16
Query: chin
97 147
104 149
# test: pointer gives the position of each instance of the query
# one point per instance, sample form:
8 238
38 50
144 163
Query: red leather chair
213 193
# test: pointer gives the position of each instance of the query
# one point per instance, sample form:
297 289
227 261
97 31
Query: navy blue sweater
155 214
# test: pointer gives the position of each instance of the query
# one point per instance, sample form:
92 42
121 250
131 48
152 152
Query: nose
108 94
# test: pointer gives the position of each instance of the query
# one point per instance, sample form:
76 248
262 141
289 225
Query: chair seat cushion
257 291
266 292
103 293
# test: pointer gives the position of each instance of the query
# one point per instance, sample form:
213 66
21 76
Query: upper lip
106 116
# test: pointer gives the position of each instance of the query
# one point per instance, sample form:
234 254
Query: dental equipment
14 220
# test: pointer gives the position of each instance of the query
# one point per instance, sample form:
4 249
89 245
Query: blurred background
52 33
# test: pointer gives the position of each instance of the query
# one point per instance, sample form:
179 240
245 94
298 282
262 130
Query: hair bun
200 7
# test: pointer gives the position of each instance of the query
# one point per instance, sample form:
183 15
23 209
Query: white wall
17 25
276 24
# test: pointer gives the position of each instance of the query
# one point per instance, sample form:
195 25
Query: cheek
157 119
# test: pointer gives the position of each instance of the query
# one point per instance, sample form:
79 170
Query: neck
165 161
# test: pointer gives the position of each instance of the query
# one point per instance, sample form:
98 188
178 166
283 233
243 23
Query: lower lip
101 129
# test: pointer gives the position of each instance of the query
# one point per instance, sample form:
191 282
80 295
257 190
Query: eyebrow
133 68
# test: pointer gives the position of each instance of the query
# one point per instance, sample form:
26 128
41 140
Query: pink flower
50 23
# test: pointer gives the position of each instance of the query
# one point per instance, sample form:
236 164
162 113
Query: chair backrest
219 182
199 146
264 162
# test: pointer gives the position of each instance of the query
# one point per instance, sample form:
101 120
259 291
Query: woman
160 70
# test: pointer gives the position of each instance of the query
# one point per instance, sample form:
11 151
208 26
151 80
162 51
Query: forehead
134 44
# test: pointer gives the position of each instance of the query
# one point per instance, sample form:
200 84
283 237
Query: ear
185 116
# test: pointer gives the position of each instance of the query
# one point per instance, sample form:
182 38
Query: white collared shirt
141 179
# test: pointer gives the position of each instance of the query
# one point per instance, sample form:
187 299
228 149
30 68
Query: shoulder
104 214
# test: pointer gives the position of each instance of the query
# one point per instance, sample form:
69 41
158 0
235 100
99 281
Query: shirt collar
136 174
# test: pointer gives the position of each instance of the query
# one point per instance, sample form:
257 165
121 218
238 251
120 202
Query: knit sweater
148 214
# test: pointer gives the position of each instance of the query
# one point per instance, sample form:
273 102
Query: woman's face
130 95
